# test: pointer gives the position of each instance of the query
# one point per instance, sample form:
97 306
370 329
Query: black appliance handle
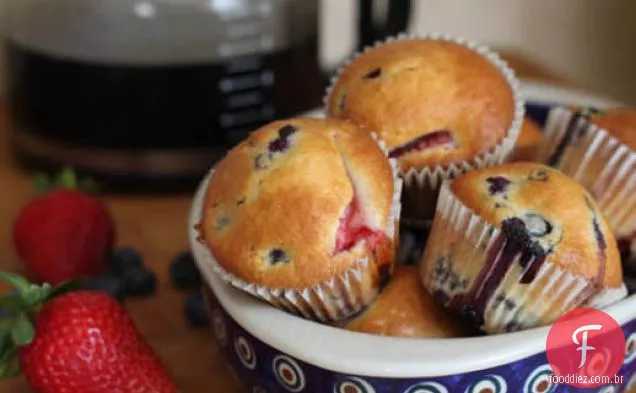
397 21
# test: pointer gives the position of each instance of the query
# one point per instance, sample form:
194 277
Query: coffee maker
148 94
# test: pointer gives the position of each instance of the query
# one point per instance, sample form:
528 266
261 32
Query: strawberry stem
65 179
21 306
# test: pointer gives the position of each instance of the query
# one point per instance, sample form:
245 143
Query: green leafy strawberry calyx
20 307
65 179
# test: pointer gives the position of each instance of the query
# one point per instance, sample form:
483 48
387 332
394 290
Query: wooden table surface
156 225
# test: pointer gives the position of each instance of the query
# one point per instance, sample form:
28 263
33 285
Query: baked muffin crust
405 309
433 102
299 202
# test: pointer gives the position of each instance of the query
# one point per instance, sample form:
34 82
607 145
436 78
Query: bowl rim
364 354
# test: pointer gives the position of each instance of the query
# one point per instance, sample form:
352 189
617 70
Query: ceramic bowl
274 352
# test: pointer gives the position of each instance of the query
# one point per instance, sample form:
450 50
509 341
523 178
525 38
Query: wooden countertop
156 225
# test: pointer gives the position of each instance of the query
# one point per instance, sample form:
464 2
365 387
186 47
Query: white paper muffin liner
329 301
464 266
421 185
605 167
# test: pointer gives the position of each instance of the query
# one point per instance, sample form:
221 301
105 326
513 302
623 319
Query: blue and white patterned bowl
274 352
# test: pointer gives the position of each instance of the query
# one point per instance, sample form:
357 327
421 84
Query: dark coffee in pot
136 109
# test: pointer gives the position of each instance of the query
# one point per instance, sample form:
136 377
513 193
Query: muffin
405 309
518 245
598 149
303 214
442 106
528 141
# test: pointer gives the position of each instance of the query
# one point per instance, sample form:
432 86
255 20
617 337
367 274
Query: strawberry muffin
518 245
303 214
443 107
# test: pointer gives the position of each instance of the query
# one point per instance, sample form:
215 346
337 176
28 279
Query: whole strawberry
79 341
63 233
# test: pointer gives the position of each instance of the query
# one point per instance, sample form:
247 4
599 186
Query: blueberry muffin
441 106
405 309
517 245
303 214
528 141
598 149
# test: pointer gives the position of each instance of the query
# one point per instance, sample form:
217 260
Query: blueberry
286 131
281 143
374 73
125 258
107 283
184 273
497 185
195 310
277 256
139 281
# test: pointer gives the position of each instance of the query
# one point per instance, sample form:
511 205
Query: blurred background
142 90
589 41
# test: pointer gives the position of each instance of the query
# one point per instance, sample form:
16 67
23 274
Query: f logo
588 344
583 347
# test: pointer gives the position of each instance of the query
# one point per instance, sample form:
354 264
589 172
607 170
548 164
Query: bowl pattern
263 369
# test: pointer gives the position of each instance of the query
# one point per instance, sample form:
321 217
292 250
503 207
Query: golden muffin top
433 102
547 212
299 202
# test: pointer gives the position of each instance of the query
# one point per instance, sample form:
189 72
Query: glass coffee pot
144 94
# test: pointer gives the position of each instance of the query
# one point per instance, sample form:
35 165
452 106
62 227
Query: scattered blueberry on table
195 310
108 283
125 258
184 273
139 281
